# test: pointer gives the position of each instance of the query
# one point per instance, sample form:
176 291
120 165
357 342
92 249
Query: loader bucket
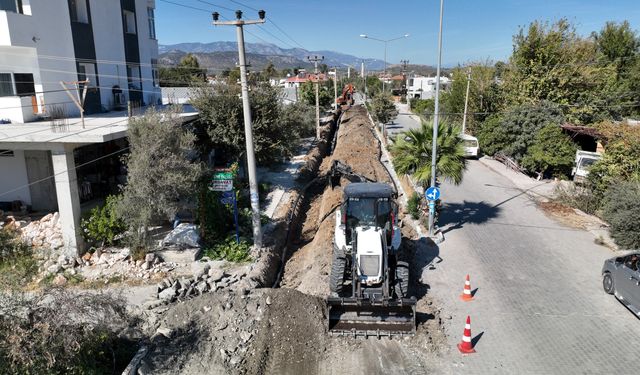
357 317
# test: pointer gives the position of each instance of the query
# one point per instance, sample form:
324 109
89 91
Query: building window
133 73
152 23
129 19
6 85
154 73
79 11
6 153
86 71
11 5
24 84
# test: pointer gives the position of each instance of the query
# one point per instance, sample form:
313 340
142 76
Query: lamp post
246 109
385 41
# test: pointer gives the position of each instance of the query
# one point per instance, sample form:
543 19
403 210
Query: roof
368 190
304 77
586 130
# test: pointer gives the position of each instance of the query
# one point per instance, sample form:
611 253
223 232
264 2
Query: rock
54 268
59 280
144 369
72 272
184 235
268 300
150 257
224 355
216 274
202 287
139 263
86 256
96 256
235 360
164 331
149 305
145 265
46 218
167 294
125 253
62 259
245 336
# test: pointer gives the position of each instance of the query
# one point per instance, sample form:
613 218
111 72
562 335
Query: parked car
584 161
621 277
471 146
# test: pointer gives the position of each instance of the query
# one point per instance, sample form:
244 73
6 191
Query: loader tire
336 279
401 285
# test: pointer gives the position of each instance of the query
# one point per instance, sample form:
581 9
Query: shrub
103 225
230 250
37 336
622 211
413 205
383 108
17 264
578 197
551 152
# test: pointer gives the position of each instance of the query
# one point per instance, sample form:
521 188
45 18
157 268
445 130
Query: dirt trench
284 330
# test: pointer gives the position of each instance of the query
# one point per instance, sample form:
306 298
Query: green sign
222 180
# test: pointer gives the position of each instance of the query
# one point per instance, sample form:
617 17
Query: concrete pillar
64 169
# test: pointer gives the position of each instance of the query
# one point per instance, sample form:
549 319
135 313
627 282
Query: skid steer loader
369 285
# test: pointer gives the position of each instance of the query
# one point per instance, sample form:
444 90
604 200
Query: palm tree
412 153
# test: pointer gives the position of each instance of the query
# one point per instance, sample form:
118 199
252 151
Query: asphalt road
539 306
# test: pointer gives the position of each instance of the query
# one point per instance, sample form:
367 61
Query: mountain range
218 56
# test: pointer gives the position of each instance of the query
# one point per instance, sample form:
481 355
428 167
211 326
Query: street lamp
385 41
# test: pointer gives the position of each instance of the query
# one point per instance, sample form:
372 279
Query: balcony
16 29
18 109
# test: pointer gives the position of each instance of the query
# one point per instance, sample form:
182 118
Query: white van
584 161
471 146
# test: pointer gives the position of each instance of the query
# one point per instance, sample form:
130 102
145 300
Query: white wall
106 16
15 167
148 50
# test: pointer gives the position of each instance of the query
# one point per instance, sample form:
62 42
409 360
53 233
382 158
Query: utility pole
466 102
432 204
315 59
246 109
364 78
404 76
335 87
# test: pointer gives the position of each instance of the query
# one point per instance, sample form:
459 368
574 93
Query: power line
63 172
216 5
287 35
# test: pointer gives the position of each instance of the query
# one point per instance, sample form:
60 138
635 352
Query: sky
473 30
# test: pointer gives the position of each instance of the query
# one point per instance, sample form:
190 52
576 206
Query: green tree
412 153
325 93
185 74
514 132
552 63
160 175
276 126
270 71
551 152
383 108
618 44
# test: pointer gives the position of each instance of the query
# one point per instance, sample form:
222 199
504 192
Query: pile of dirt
307 270
262 331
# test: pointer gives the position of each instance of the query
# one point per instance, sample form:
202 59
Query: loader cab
368 205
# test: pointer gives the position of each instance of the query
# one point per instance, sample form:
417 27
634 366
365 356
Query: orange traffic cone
466 294
465 346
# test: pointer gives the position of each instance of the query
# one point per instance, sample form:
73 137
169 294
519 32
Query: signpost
432 194
222 181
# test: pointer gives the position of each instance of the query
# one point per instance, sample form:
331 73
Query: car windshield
470 143
587 163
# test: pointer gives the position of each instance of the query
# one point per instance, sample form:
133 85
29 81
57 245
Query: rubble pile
206 279
44 233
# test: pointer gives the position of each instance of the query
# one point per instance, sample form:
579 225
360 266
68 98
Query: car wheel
607 283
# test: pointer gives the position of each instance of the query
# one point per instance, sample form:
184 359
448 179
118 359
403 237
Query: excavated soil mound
264 331
307 270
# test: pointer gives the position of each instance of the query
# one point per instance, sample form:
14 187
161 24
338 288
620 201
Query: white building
42 42
48 164
425 87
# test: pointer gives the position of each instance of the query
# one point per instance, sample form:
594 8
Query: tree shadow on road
455 215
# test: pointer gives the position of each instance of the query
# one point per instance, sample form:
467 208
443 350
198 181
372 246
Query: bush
413 205
578 197
422 106
103 225
383 108
17 264
551 152
57 332
230 250
622 211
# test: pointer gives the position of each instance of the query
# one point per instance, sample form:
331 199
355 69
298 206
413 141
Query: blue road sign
432 193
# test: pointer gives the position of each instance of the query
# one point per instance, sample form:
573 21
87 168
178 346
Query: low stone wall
45 233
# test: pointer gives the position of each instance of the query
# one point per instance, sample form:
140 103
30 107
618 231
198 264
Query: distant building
425 87
297 81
